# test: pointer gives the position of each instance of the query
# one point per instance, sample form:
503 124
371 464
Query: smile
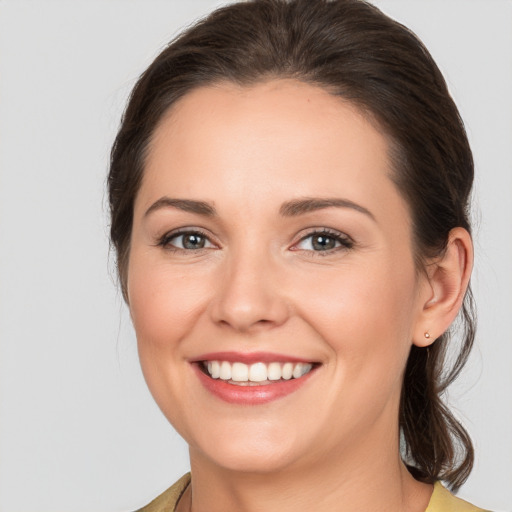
252 379
258 373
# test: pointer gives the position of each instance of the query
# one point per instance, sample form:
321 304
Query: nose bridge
248 296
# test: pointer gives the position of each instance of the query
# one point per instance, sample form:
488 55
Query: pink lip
249 395
248 358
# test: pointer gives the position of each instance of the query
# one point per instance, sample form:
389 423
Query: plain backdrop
79 431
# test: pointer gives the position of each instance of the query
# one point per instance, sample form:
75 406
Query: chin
256 461
249 452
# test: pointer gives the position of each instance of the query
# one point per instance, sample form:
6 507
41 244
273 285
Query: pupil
193 242
323 243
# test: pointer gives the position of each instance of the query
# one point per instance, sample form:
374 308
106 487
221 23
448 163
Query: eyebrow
310 204
186 205
291 208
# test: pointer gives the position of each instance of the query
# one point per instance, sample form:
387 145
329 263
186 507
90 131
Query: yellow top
442 500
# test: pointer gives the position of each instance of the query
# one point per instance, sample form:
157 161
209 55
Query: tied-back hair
352 50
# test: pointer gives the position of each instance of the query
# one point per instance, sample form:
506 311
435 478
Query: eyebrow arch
186 205
288 209
310 204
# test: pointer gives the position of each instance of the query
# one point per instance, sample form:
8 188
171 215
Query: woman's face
267 232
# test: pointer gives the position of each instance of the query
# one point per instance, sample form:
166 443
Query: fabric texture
442 500
168 500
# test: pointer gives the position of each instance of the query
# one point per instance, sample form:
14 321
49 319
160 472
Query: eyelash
344 241
165 240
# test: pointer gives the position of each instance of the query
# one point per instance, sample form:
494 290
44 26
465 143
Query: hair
354 51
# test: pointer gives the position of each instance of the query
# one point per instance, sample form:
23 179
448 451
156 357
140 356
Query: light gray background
79 432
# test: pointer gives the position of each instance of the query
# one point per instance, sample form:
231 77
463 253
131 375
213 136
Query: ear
446 282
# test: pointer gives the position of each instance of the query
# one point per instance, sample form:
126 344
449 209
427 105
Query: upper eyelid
346 242
169 235
328 231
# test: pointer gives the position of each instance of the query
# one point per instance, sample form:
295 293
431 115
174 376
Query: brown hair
354 51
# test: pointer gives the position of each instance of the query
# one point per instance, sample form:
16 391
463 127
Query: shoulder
443 500
167 501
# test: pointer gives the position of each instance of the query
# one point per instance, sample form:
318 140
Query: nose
249 297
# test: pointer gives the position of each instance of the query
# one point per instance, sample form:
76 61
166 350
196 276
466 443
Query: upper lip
249 357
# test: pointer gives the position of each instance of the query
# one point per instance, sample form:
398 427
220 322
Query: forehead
286 109
277 138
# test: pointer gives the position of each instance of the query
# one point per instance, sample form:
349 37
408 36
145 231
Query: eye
324 241
186 240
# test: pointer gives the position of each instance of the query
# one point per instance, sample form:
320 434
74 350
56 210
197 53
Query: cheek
164 303
365 319
366 316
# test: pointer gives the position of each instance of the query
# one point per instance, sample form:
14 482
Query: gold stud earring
427 335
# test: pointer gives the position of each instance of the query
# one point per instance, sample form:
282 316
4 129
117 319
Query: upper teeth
256 372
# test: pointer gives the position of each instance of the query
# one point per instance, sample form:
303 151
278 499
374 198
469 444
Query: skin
259 285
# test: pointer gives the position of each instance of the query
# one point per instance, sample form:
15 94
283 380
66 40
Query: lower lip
250 395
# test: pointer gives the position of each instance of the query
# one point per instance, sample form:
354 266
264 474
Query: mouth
255 374
252 379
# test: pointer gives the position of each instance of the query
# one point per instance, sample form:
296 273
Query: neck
370 478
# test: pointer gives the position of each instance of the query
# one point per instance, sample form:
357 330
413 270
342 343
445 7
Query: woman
289 197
